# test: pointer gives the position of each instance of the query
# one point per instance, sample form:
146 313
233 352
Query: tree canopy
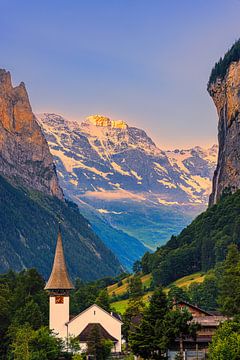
220 68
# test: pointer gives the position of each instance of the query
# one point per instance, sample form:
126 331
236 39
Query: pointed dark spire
59 278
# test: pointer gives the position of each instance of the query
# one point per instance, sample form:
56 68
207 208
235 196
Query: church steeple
59 278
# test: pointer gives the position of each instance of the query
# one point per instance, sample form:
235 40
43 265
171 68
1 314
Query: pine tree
160 324
103 300
229 283
97 347
135 288
132 317
148 339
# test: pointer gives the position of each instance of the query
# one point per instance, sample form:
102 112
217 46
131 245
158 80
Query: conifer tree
135 288
97 347
229 283
103 300
160 324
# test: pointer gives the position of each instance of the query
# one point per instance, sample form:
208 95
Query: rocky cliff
31 200
25 158
224 88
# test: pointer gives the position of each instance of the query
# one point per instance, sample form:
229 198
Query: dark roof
59 278
194 307
209 321
116 315
104 334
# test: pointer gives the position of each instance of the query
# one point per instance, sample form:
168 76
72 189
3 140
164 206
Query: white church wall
59 316
95 314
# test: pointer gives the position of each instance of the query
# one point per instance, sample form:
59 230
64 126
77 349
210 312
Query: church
59 286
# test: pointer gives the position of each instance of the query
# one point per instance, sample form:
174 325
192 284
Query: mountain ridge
120 173
108 149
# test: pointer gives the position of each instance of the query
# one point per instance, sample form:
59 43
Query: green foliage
22 301
132 316
176 294
135 288
221 67
205 294
97 347
20 346
137 267
201 245
28 233
29 344
160 325
229 283
78 357
129 357
226 342
103 300
145 263
86 294
73 345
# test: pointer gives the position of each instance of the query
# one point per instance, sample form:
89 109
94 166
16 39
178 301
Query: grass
185 281
120 290
121 305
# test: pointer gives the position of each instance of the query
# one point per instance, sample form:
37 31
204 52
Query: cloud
114 195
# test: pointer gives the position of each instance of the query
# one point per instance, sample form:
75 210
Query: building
197 348
59 286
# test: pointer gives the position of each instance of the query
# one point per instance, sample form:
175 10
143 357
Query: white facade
59 321
95 314
59 315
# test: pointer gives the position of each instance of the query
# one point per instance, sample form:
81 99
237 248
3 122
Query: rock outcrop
225 92
25 158
103 121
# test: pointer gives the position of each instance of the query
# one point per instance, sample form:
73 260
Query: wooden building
208 321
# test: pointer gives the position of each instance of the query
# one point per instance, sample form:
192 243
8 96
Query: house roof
59 278
113 317
116 315
84 336
194 307
212 321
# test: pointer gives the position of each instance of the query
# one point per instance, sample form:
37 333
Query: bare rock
226 96
25 158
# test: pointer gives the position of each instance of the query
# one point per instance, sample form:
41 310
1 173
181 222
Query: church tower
59 286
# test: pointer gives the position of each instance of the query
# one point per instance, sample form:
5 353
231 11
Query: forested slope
28 231
200 245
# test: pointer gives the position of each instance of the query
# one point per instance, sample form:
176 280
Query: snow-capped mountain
120 173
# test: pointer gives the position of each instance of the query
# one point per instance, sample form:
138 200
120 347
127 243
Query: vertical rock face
225 92
25 158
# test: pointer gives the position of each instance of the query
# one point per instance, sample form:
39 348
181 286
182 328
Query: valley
124 183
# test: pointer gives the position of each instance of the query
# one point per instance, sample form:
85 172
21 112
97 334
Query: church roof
85 335
59 278
95 306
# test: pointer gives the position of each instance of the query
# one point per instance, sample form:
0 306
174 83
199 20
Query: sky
143 61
